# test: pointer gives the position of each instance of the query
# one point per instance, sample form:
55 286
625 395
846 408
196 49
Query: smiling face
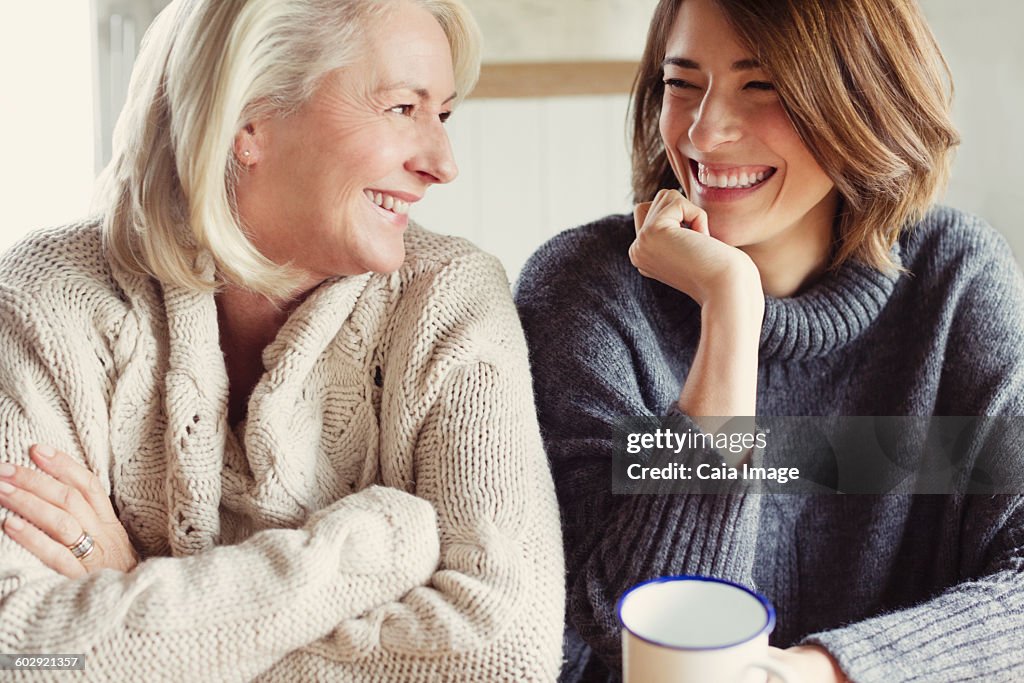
732 147
329 187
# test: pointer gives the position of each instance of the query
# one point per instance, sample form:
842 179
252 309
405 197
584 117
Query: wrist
736 300
732 322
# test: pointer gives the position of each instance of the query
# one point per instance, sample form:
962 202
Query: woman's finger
640 212
50 552
662 200
692 215
696 218
670 209
657 212
60 524
49 490
65 469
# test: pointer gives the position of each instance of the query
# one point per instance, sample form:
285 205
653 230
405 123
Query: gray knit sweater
897 588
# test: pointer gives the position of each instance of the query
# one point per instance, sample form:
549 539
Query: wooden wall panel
555 79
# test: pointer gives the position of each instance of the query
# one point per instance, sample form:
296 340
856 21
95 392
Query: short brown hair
867 89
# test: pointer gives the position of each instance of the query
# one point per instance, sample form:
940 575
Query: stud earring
245 153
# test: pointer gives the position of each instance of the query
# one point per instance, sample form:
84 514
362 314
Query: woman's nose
434 161
715 123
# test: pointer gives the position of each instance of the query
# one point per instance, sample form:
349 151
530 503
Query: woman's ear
248 145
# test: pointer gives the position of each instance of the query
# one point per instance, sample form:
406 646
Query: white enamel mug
696 629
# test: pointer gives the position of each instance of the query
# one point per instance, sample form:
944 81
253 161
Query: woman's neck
248 322
793 260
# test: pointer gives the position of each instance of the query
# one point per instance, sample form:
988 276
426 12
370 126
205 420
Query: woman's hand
690 260
722 381
61 503
813 664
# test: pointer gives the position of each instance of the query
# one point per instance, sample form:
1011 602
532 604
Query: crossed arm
381 581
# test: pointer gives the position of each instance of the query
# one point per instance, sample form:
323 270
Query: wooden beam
554 79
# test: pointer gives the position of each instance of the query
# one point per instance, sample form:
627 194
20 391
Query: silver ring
82 547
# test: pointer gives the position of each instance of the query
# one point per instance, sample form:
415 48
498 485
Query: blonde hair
867 89
205 69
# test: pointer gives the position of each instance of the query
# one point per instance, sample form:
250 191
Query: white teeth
741 180
387 202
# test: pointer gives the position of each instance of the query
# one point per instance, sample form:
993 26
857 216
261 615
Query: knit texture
385 512
896 587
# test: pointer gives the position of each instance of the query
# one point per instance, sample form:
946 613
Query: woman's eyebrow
683 63
422 93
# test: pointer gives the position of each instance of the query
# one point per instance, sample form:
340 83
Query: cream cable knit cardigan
386 513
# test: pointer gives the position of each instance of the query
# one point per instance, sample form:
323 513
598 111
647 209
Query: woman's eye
759 85
403 109
444 116
678 83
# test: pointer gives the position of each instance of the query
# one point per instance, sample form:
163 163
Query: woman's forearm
722 382
493 608
231 612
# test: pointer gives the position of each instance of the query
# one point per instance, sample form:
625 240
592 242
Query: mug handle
776 668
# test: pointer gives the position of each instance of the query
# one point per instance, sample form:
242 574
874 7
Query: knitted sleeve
972 630
587 331
225 614
456 386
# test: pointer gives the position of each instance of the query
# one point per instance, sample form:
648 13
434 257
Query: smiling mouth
388 202
730 178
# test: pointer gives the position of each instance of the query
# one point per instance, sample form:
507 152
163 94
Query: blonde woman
784 258
255 422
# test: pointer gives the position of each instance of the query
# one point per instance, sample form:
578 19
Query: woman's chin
733 235
386 260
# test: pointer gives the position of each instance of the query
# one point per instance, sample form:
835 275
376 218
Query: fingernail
45 451
7 469
6 488
15 523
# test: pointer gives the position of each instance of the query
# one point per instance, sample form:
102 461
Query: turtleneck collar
834 311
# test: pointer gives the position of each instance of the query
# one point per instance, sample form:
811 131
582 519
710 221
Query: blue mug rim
769 609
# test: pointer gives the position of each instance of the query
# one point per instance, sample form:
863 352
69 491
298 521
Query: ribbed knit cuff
971 634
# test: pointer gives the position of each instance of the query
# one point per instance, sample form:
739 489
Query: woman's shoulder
451 296
948 238
584 251
428 253
48 255
965 278
442 274
581 284
60 272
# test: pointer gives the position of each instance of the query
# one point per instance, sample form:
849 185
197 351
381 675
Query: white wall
983 44
530 168
46 114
